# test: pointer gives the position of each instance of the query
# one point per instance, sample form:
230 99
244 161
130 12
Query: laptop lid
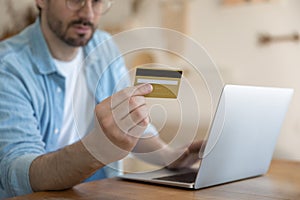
243 135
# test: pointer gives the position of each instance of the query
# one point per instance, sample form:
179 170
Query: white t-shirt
78 104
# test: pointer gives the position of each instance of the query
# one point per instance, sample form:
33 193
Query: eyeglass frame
83 3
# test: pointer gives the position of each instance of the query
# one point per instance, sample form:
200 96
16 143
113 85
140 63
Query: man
39 149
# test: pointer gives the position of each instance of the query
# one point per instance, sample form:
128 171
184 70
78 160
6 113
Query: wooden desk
281 182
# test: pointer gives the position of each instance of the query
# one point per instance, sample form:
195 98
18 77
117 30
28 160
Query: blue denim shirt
32 100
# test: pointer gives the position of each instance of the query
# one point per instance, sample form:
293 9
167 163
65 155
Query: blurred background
252 42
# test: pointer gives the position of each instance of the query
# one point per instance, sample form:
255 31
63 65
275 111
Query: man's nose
87 11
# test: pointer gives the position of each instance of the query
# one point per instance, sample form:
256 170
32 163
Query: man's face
75 28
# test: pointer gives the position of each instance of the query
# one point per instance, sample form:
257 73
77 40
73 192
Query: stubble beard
57 27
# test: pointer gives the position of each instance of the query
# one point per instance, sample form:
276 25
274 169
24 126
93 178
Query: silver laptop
241 139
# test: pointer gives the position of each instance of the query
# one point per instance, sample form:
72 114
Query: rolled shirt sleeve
16 179
20 137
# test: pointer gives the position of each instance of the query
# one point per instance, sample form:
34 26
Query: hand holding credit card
165 82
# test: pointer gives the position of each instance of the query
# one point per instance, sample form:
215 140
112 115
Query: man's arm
122 119
62 169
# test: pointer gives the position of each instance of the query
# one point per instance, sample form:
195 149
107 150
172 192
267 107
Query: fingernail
148 87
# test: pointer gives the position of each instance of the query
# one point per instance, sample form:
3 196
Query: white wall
229 33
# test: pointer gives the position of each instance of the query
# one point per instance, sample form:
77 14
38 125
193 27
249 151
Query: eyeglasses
100 7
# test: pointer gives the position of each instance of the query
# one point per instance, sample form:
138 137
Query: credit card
165 82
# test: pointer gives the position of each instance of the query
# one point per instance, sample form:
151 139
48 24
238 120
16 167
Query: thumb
123 95
143 89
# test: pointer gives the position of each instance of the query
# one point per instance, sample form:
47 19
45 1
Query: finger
195 146
142 89
139 90
138 130
136 117
126 107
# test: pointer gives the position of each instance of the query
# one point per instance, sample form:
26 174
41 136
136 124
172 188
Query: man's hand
155 151
121 120
189 156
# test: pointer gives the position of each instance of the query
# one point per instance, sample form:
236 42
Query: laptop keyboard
189 177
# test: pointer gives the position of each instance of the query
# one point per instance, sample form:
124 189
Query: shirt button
56 131
58 90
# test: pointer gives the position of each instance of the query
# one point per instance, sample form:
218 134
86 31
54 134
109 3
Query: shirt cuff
18 175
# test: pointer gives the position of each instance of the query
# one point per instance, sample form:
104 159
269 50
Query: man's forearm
62 169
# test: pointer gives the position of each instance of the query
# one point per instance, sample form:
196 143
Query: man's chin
78 42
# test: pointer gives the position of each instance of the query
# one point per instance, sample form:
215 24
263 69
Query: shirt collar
41 53
40 50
